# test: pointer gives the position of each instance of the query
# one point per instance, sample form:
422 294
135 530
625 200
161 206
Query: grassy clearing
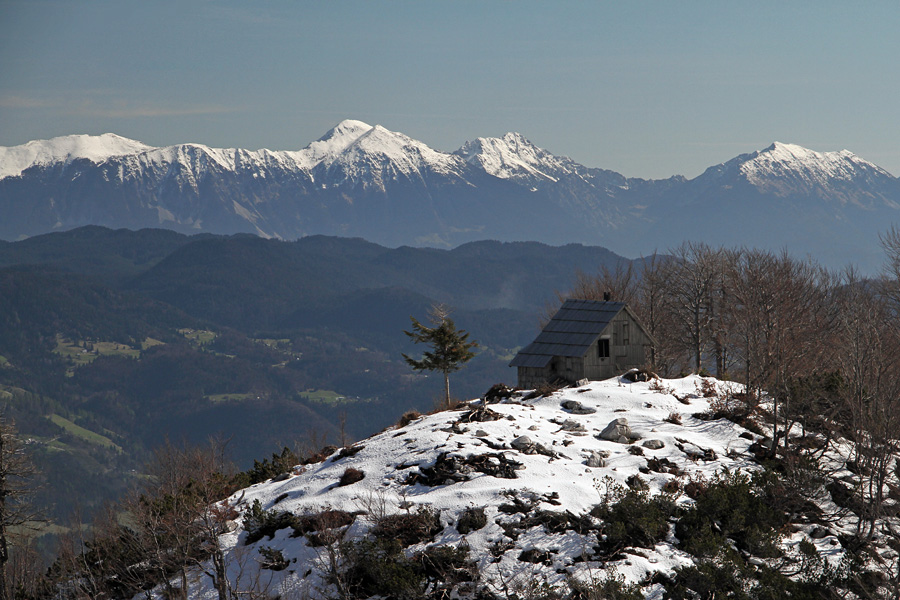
9 392
116 349
326 397
82 352
82 433
281 344
150 342
230 397
199 337
74 353
4 362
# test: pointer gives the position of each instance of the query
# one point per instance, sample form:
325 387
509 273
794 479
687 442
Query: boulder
523 443
571 425
577 408
653 444
617 431
595 460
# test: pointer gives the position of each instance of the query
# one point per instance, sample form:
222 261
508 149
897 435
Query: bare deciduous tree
869 358
182 512
17 487
691 279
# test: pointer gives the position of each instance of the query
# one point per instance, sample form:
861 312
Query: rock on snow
560 465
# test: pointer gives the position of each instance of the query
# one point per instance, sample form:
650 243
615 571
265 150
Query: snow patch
97 148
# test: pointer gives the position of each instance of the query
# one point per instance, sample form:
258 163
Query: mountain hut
585 339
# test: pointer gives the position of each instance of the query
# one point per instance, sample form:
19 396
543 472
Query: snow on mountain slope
358 177
355 155
327 148
817 167
513 156
352 148
542 453
785 170
97 148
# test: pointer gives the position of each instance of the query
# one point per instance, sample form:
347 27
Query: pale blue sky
649 89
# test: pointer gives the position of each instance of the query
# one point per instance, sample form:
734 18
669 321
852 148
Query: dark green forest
112 342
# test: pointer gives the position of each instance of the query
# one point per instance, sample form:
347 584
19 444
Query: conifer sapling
450 348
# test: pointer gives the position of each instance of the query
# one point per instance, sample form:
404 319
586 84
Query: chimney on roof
606 296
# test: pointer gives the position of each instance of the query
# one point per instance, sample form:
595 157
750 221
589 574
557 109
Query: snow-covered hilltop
367 181
610 483
63 150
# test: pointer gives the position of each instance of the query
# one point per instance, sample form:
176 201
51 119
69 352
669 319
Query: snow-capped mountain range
367 181
531 469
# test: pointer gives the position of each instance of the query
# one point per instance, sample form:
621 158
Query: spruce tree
450 348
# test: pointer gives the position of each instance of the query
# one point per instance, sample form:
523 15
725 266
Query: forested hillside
780 483
112 341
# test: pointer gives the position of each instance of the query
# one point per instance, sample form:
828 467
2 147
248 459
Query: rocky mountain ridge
367 181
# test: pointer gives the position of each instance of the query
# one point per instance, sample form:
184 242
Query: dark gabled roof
570 333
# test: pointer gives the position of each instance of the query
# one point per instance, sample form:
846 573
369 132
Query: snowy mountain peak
65 149
348 127
793 153
361 153
330 145
512 157
800 169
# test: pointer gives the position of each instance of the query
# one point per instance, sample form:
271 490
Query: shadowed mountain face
364 181
113 340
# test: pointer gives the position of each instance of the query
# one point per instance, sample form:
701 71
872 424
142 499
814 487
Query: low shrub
673 418
708 579
707 388
735 407
273 559
323 527
498 392
609 587
407 418
319 456
348 451
471 519
635 375
409 528
551 521
270 468
632 517
672 486
259 523
446 565
350 476
379 568
728 576
732 506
